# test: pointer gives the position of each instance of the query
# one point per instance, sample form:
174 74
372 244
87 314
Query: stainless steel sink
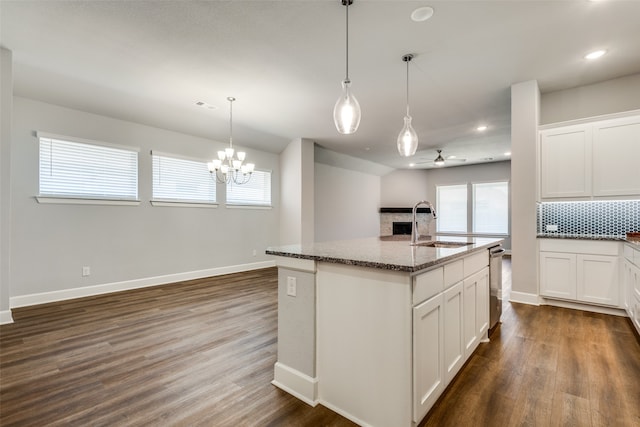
442 244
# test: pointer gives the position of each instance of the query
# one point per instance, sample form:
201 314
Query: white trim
62 200
296 263
5 317
296 383
584 307
179 204
524 298
240 206
64 294
180 156
47 135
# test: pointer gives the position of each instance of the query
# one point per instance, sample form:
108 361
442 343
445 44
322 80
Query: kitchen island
375 329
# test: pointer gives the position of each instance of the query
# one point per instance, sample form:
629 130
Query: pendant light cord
408 85
231 121
347 43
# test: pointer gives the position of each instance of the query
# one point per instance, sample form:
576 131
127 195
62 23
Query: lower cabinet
453 331
476 309
428 355
580 271
631 293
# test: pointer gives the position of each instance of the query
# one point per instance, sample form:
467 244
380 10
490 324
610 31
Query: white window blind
256 192
491 208
77 169
451 206
180 179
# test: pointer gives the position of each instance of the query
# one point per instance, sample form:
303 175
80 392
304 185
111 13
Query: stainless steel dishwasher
495 285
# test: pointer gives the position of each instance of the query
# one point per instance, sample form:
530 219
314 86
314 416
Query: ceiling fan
440 161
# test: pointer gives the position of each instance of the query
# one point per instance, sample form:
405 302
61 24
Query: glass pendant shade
407 139
346 113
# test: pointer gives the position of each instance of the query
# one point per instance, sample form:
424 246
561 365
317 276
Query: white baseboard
296 383
345 414
65 294
5 317
524 298
585 307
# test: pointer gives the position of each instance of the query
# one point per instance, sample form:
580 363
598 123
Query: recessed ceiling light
205 105
422 14
595 54
481 128
507 153
451 157
411 165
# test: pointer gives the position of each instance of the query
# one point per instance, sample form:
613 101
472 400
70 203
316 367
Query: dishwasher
495 285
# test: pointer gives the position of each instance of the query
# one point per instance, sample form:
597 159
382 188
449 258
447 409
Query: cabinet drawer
427 285
453 273
475 262
579 246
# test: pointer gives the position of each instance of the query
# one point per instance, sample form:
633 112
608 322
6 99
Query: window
451 206
255 192
475 208
75 168
491 208
179 179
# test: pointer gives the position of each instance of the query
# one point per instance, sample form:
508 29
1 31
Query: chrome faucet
414 225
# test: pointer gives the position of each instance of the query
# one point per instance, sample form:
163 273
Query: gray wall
6 101
51 242
346 203
611 96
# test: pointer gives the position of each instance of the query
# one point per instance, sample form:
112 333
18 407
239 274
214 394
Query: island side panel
364 343
295 370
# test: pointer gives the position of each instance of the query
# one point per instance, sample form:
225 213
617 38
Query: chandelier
408 138
226 168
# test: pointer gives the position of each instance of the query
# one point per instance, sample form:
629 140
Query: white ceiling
150 61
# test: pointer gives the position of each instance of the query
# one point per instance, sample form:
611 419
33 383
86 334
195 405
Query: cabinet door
627 286
598 279
428 355
453 332
469 296
558 275
565 162
482 303
616 150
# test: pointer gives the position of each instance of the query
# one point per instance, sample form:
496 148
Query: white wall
6 107
51 242
525 111
611 96
346 204
297 187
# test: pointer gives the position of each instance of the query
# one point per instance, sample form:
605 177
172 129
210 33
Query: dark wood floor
201 353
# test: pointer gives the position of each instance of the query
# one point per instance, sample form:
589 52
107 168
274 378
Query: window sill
249 206
178 204
84 201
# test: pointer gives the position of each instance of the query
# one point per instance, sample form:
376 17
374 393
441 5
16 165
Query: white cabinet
453 332
631 270
476 309
580 270
596 159
428 355
616 150
565 162
558 275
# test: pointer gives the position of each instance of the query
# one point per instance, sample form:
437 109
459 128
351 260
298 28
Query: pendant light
408 138
346 112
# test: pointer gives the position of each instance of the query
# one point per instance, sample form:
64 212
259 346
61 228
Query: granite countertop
385 252
616 238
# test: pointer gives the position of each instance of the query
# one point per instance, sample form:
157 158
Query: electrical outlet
291 286
86 271
552 227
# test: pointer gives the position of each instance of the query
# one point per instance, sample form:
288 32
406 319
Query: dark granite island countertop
385 253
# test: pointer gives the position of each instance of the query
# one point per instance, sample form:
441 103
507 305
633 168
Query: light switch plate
291 286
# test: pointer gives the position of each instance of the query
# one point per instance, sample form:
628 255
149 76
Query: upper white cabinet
616 151
596 159
565 162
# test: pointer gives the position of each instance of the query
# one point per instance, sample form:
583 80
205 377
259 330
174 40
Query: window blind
491 207
452 208
256 192
76 169
180 179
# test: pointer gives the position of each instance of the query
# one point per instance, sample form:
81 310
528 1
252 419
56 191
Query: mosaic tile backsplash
595 218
